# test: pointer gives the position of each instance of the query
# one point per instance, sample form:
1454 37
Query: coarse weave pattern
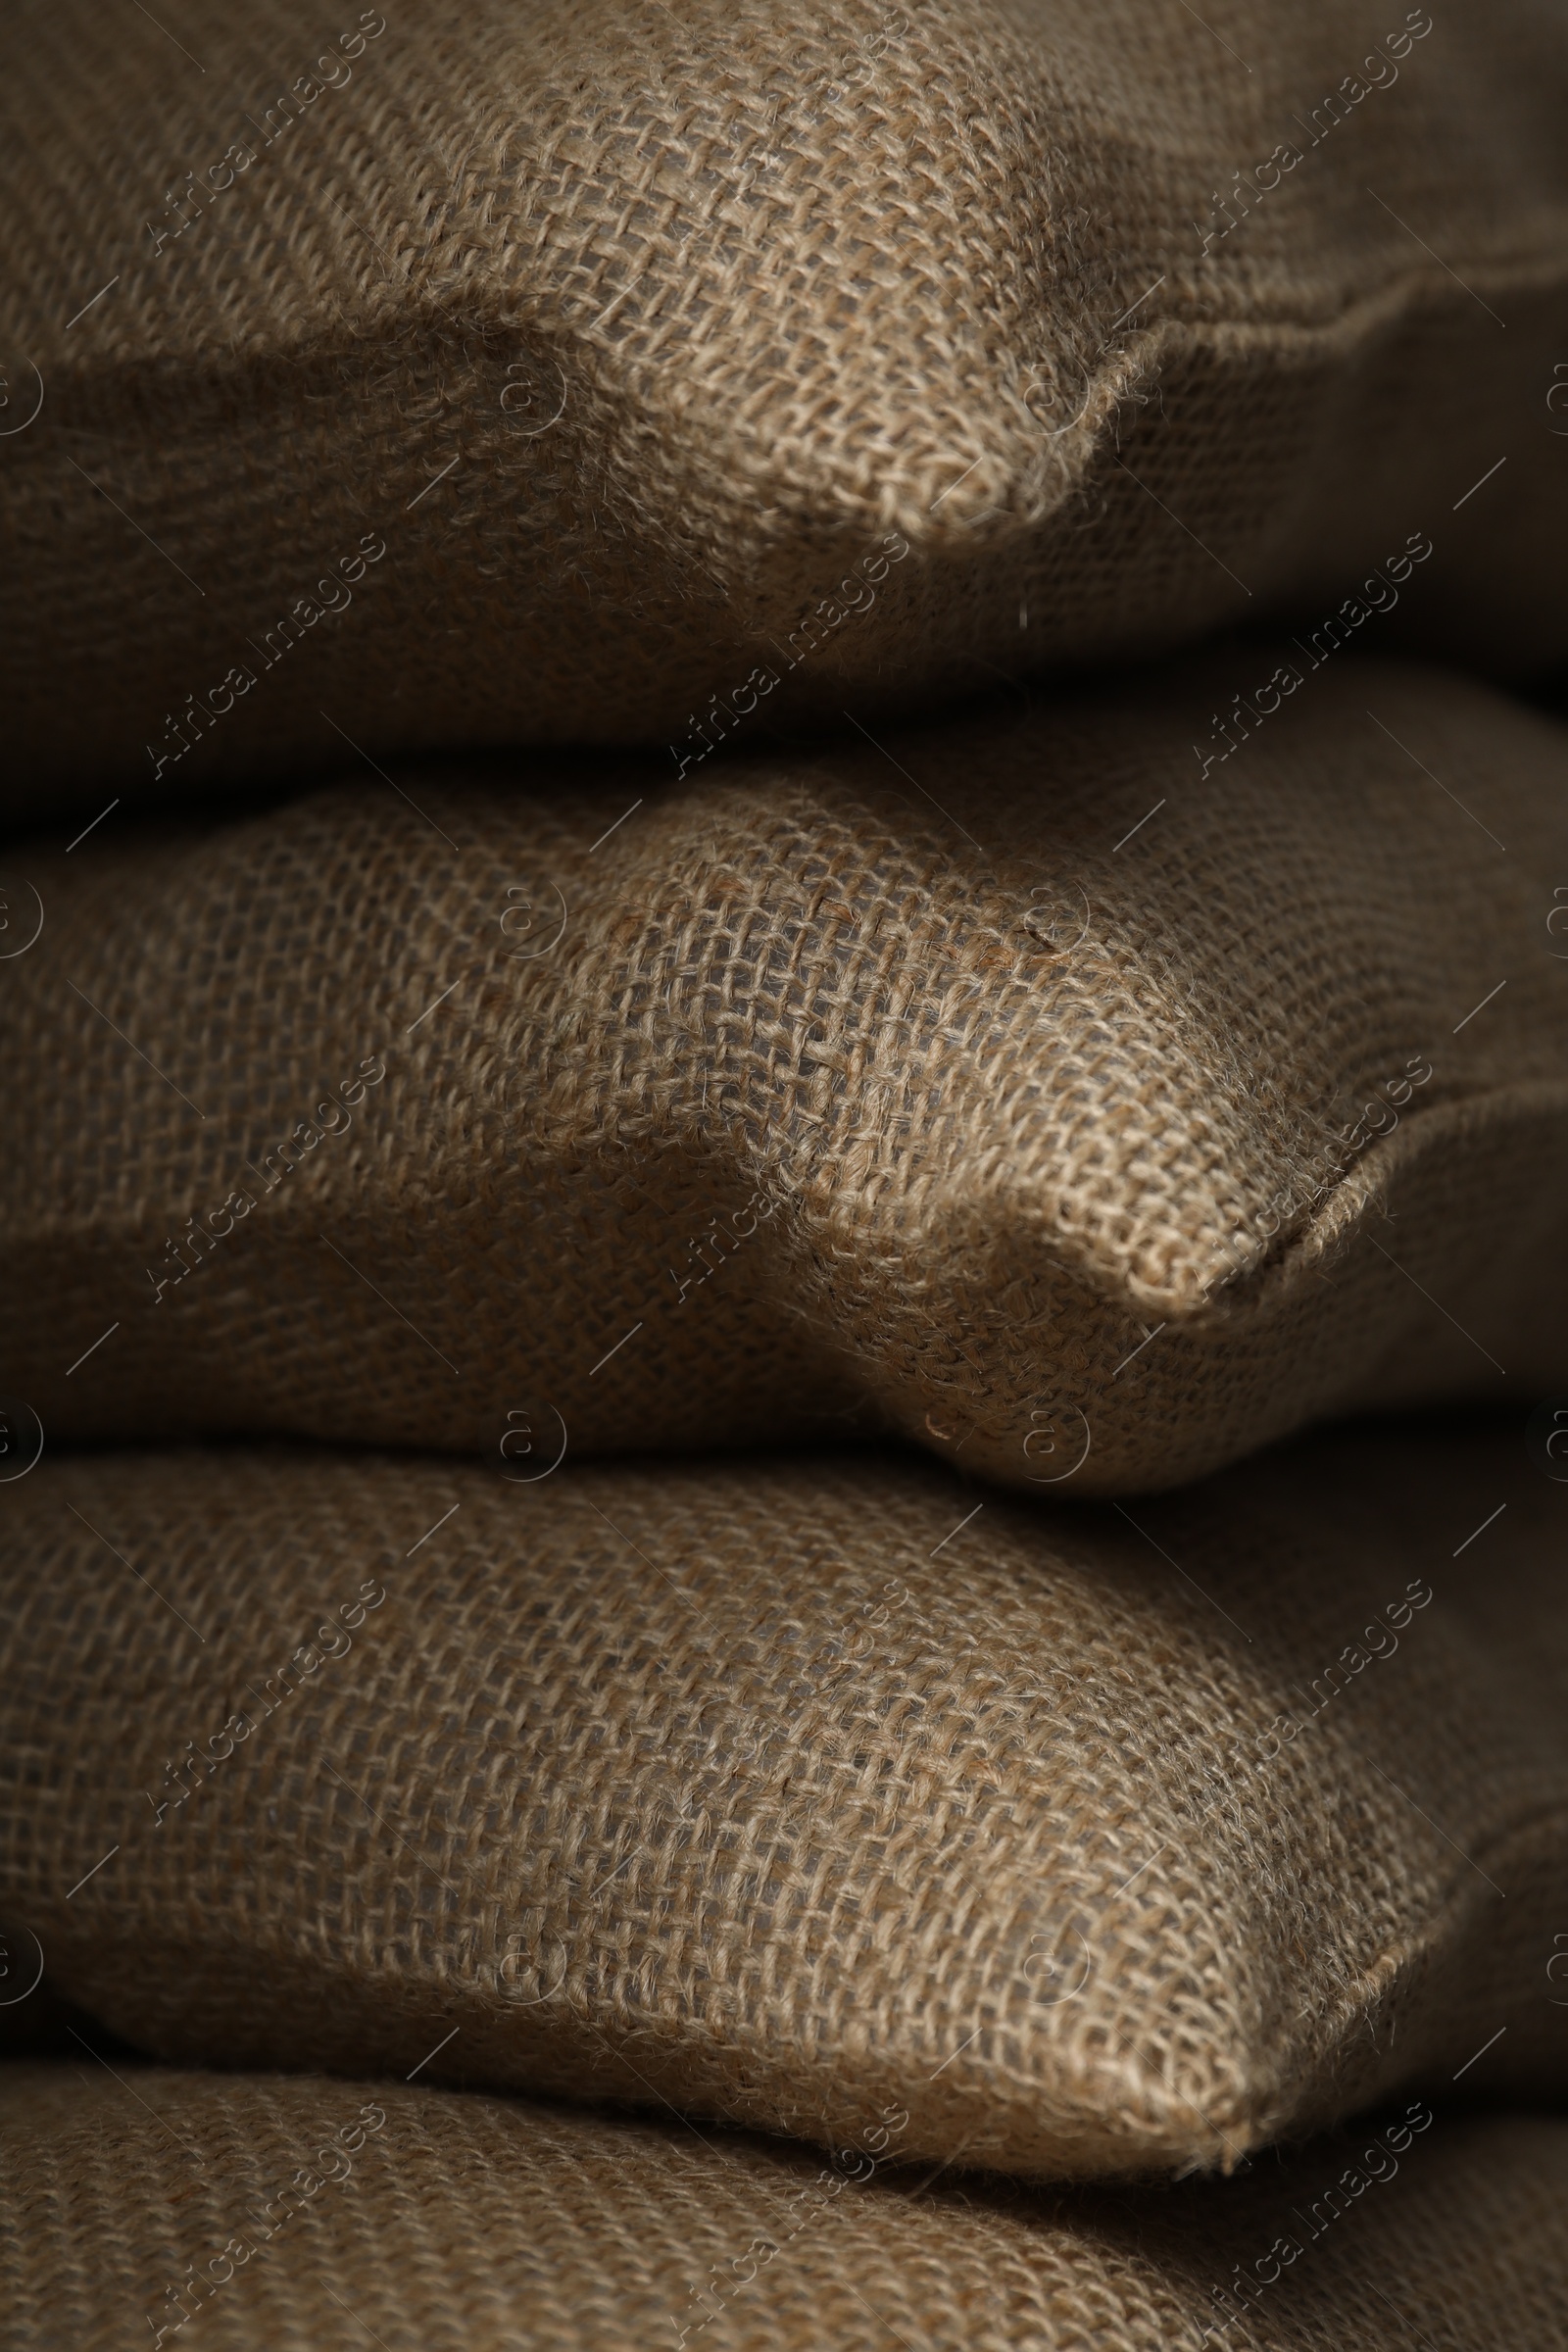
629 334
1098 1122
782 1791
315 2214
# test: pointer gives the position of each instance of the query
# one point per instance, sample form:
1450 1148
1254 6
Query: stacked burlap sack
712 1630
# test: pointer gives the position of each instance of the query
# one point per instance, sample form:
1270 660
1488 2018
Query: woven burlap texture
290 2215
777 1792
636 338
1092 1125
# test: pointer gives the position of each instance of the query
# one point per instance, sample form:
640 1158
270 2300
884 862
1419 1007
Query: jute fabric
271 2214
786 1791
636 339
1019 1086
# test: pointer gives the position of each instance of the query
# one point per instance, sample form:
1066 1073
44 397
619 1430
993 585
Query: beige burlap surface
1018 1085
588 370
300 2214
784 1791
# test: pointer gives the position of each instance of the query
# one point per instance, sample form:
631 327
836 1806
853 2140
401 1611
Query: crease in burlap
637 341
779 1791
1104 1120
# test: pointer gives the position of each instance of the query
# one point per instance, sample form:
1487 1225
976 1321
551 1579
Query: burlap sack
784 1792
1095 1124
590 370
297 2214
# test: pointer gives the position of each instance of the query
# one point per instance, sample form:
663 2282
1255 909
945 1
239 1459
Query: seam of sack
1419 1943
1259 2107
1339 1219
712 460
